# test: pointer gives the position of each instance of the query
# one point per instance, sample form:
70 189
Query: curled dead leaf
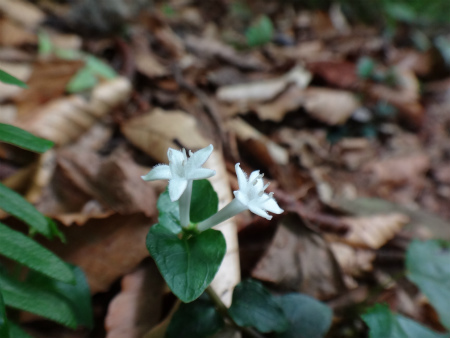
211 48
263 148
331 106
371 232
64 120
264 90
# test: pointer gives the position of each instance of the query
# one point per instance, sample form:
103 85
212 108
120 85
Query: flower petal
198 158
176 188
259 211
241 177
175 156
253 175
200 174
159 172
272 206
242 197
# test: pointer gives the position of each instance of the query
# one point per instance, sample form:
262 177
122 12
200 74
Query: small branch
223 310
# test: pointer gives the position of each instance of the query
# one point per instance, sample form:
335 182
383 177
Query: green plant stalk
223 310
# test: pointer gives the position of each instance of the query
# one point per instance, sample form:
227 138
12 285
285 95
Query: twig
223 310
326 223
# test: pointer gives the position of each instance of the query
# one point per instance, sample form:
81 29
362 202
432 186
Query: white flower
251 194
181 170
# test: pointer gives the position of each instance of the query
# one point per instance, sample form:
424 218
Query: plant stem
185 205
223 310
231 209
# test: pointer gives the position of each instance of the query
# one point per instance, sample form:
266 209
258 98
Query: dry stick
223 310
326 223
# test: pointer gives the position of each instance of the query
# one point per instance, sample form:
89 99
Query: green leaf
16 332
198 319
45 45
427 265
254 306
169 213
17 206
308 317
9 79
401 12
81 81
204 201
77 295
365 67
27 297
99 67
260 33
23 139
88 76
26 251
4 325
385 324
189 264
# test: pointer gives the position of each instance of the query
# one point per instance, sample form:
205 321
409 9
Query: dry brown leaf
115 182
148 65
406 98
211 48
81 218
352 261
423 224
290 100
64 120
371 232
146 62
400 170
307 51
13 35
158 130
44 171
48 81
327 105
138 307
337 73
264 90
421 63
300 260
263 148
106 249
23 12
330 106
